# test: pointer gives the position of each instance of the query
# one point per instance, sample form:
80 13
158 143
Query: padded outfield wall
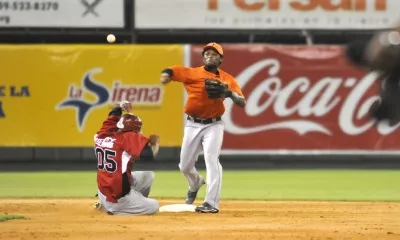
301 101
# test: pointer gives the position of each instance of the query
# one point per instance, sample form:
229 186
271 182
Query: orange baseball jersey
198 104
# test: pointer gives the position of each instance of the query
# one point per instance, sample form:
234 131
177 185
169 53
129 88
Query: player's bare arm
150 151
154 142
237 99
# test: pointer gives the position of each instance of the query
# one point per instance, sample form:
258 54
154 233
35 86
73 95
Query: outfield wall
301 100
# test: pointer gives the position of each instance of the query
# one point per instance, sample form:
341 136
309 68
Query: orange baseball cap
214 46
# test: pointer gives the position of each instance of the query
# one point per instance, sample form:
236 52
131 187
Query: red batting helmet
130 123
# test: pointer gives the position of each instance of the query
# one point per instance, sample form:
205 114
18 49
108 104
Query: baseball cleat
206 208
191 196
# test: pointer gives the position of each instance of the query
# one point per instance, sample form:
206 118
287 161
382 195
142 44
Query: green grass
6 217
347 185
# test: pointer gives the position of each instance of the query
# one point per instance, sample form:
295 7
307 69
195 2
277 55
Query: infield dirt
77 219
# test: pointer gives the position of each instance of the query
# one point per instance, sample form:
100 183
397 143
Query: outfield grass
348 185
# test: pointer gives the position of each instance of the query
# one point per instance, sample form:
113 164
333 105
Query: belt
203 120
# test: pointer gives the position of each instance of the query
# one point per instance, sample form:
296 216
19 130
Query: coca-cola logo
319 98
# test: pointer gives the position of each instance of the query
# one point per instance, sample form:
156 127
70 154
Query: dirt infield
76 219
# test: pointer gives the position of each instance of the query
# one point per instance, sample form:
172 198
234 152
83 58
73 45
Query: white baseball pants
206 137
136 202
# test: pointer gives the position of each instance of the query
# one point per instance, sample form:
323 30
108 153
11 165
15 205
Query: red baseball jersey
116 152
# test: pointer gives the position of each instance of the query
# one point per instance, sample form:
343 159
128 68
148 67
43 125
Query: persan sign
264 14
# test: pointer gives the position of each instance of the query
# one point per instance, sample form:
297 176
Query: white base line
309 152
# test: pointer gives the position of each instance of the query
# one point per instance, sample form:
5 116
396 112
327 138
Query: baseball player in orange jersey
117 145
207 87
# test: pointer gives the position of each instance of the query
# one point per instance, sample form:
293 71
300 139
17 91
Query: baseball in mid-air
110 38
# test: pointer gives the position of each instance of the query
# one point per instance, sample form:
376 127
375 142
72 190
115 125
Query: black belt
203 120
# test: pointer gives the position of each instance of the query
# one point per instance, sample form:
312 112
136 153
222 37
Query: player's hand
126 106
154 140
165 78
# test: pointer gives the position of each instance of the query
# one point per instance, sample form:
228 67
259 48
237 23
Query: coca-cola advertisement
301 99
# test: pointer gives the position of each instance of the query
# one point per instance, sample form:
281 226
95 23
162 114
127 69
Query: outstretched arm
110 123
176 73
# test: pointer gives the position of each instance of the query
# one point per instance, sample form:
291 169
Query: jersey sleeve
180 73
235 87
134 143
109 125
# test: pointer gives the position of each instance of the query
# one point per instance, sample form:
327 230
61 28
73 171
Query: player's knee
150 175
211 157
184 168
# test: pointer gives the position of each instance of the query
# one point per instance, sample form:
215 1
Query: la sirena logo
313 111
147 95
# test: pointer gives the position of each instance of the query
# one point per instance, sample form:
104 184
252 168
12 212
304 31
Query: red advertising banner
301 99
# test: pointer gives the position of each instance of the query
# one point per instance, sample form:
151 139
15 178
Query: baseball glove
216 89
